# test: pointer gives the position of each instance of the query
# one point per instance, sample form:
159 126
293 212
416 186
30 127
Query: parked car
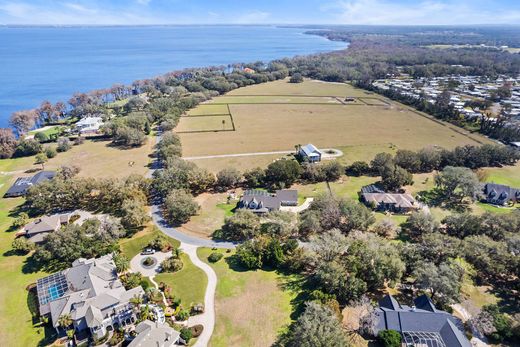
148 251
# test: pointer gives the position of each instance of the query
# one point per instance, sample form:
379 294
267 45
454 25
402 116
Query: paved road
207 319
184 238
236 155
337 153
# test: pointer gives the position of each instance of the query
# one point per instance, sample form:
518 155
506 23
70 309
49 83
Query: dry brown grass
308 87
240 163
261 128
209 218
99 159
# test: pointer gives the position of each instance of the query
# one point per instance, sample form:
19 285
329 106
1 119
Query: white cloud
143 2
421 13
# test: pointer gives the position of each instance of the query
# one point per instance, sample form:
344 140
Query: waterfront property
259 201
89 125
22 184
155 334
499 194
421 324
91 293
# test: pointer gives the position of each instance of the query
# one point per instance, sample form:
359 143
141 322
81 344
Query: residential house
259 201
89 125
309 153
22 184
420 325
155 334
375 197
91 293
40 228
499 194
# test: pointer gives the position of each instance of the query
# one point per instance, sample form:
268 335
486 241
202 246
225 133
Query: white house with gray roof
91 293
155 334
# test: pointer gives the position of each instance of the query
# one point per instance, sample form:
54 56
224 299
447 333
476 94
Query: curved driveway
184 238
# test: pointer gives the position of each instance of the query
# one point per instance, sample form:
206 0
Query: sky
144 12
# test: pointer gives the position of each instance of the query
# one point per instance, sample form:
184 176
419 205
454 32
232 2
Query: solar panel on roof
51 288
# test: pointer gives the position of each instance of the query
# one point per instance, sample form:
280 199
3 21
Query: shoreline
303 31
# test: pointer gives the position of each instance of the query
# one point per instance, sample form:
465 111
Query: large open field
252 307
275 116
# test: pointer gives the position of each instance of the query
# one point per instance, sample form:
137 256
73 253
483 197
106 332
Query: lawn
204 123
99 159
213 210
134 245
240 163
251 306
47 130
278 127
16 320
208 109
189 284
508 175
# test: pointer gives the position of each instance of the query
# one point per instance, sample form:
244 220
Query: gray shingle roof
421 322
22 184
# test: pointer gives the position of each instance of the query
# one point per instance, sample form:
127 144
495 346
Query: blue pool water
52 63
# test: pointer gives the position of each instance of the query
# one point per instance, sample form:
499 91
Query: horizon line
259 24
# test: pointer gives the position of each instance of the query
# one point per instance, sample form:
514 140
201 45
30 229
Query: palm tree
65 321
136 301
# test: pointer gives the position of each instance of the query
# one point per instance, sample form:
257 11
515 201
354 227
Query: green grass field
189 284
204 123
252 308
130 247
19 327
208 109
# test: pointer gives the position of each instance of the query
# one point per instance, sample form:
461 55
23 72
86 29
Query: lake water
43 63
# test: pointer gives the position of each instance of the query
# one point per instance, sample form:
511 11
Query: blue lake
44 63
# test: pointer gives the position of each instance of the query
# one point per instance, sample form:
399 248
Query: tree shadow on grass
235 265
47 332
435 198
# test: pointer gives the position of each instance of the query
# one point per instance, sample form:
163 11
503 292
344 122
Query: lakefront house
91 293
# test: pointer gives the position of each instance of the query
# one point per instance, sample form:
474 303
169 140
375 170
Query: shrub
148 261
63 144
22 245
160 243
296 78
186 334
182 315
21 220
27 148
79 140
172 264
214 257
358 168
41 137
51 152
390 338
196 330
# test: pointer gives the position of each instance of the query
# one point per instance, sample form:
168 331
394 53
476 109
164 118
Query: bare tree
7 143
22 121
